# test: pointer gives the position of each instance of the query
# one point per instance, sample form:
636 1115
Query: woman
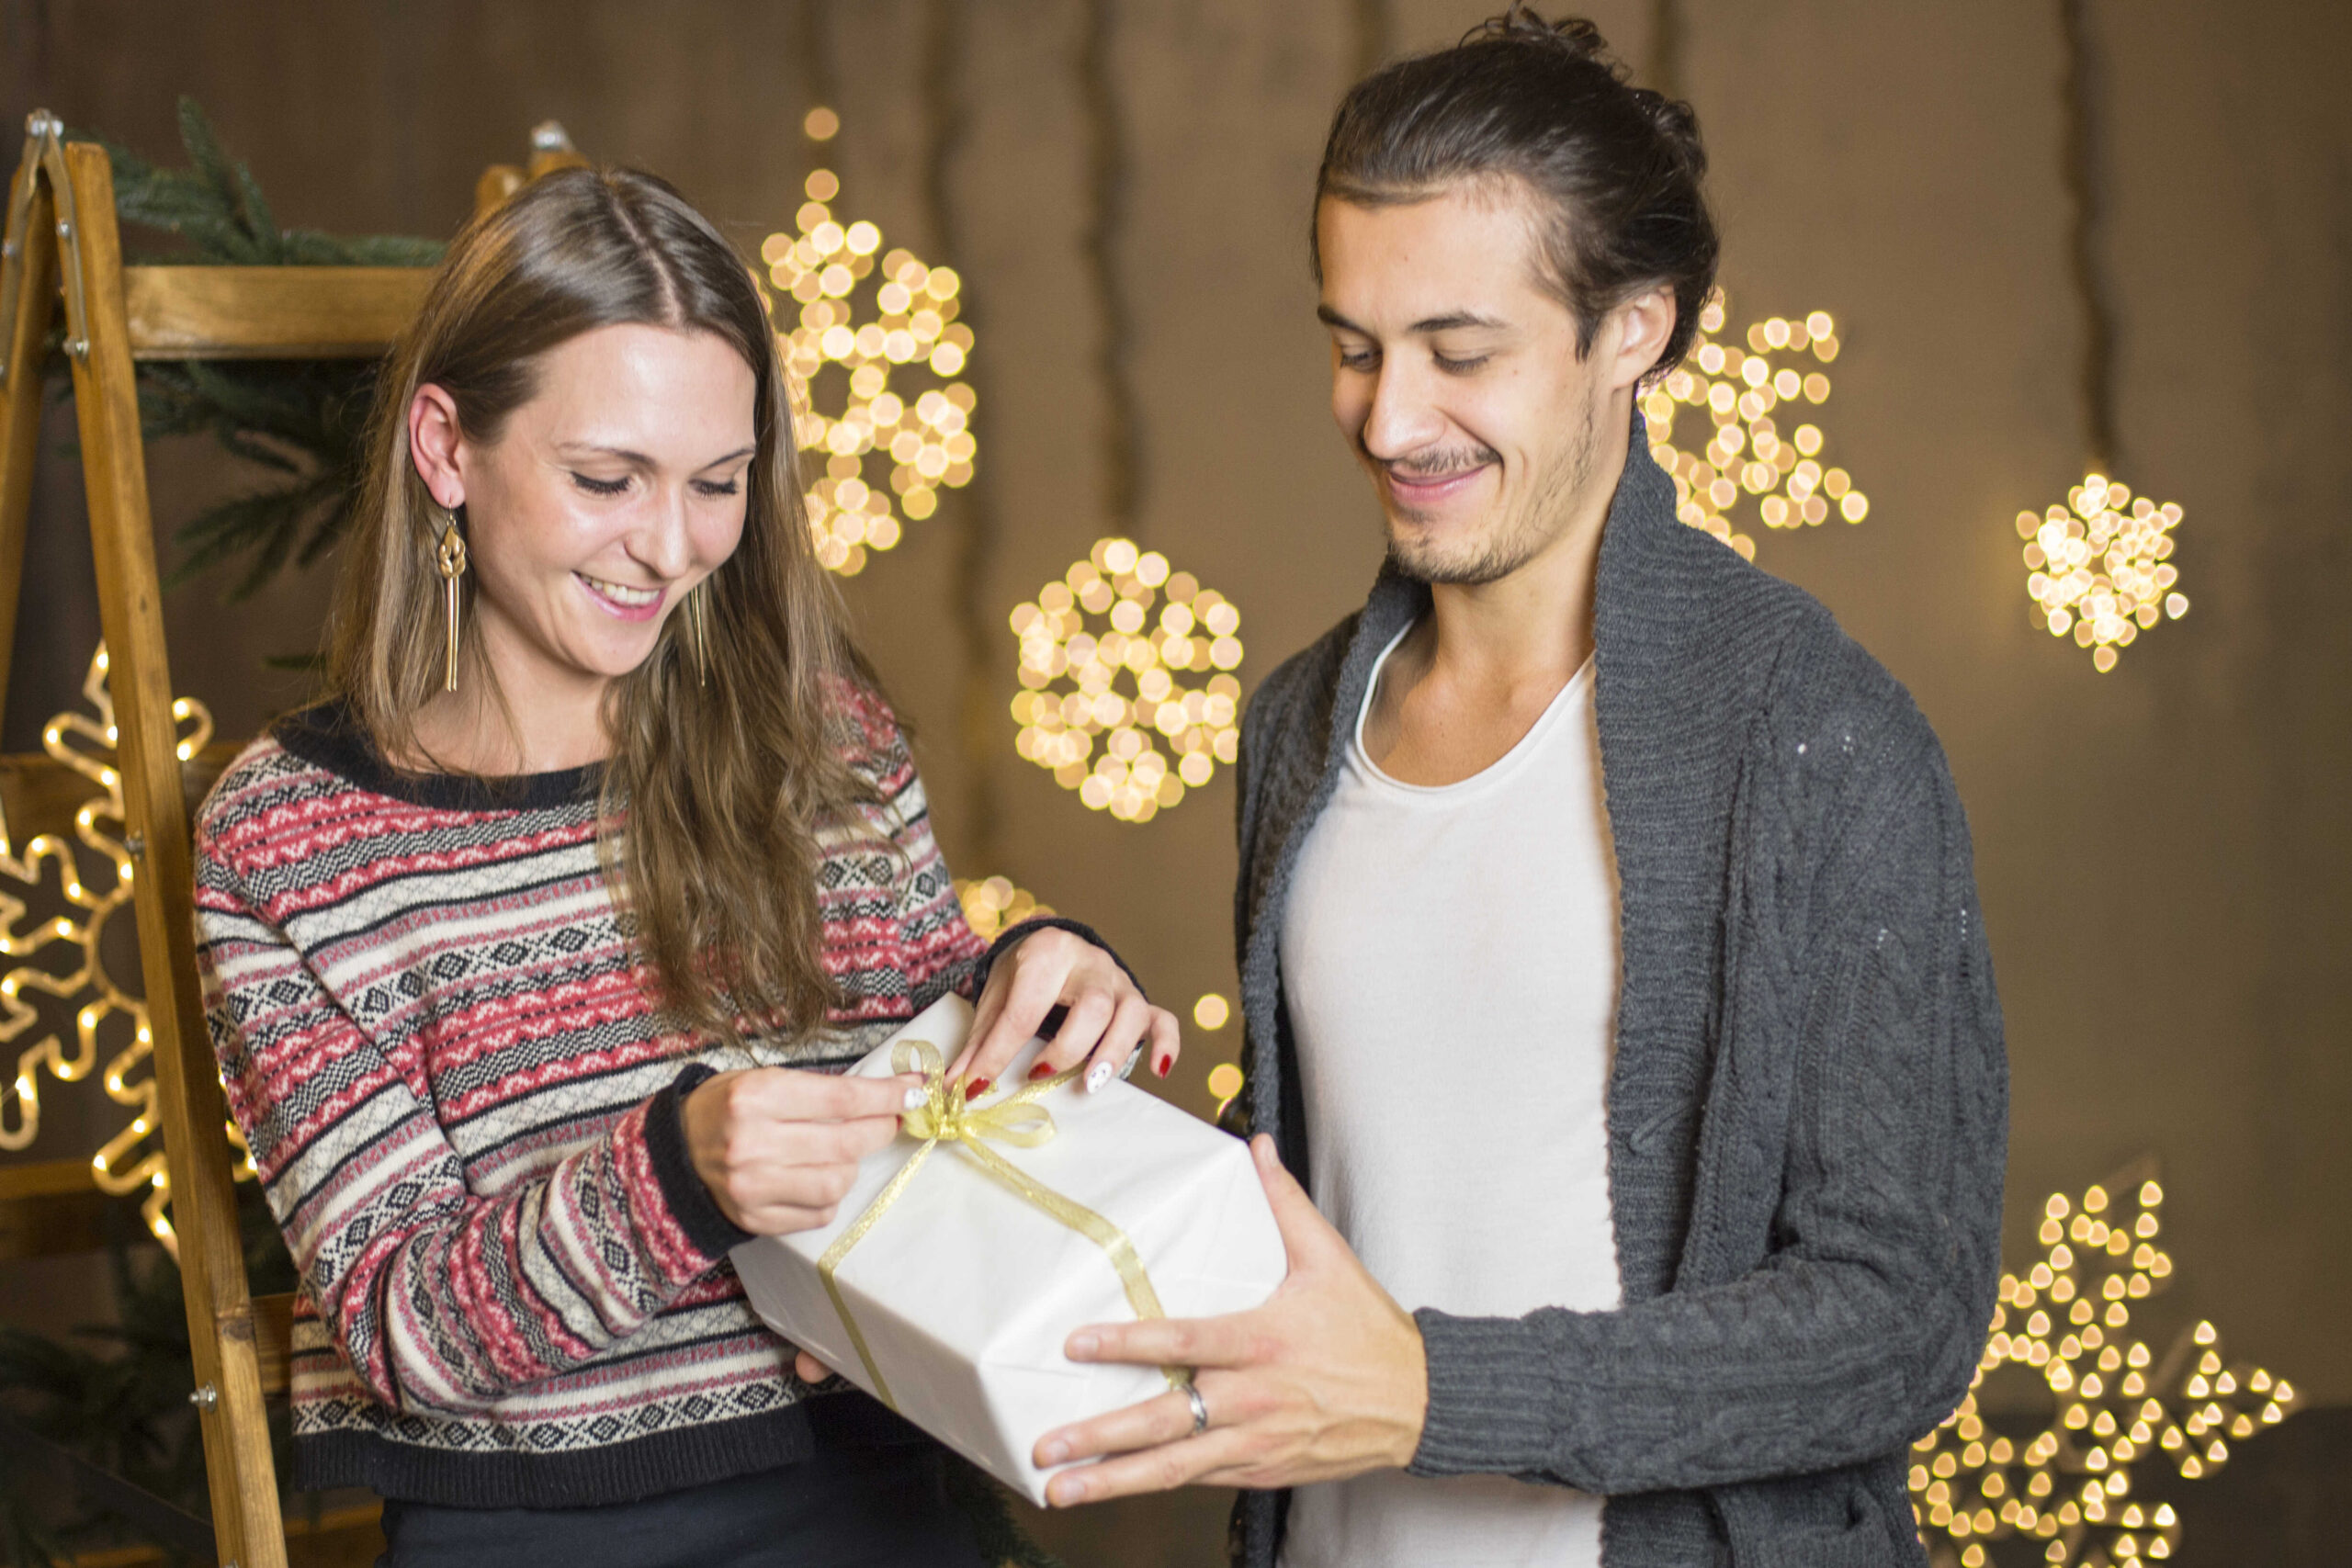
533 956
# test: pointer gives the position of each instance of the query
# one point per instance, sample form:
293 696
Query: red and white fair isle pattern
435 1039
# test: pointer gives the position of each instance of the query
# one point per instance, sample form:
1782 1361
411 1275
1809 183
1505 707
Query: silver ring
1200 1409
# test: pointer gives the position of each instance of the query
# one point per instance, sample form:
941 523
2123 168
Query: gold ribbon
946 1117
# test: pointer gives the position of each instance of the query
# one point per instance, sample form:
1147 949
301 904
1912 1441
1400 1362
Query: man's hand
1324 1380
779 1149
1108 1019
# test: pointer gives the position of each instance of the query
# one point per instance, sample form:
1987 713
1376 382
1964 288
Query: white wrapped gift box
965 1291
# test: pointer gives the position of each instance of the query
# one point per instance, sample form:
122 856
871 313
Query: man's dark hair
1518 97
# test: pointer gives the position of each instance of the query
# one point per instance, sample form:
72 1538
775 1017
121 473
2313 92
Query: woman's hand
779 1149
1108 1019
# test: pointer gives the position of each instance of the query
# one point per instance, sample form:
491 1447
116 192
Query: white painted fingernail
912 1097
1097 1075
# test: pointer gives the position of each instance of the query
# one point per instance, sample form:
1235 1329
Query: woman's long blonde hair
717 787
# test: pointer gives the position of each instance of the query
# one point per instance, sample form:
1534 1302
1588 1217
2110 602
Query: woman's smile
619 599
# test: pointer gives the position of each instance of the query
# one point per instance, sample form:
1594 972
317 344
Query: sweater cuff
1013 936
1487 1413
690 1202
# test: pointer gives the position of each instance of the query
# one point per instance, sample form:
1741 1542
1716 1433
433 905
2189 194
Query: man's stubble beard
1517 539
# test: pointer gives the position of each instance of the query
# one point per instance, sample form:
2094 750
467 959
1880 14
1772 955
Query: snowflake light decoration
2100 567
993 905
129 1160
891 438
1097 663
1740 390
2066 1323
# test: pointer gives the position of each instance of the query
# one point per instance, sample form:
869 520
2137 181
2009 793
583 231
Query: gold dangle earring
697 609
449 556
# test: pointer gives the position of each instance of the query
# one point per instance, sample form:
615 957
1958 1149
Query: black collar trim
329 736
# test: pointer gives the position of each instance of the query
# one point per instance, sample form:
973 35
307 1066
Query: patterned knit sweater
465 1113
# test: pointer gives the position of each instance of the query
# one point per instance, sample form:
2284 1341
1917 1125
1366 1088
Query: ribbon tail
1133 1278
832 1261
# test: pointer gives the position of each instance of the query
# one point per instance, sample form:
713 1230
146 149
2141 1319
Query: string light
877 340
1101 651
129 1161
993 905
1211 1011
2100 567
1749 453
2116 1403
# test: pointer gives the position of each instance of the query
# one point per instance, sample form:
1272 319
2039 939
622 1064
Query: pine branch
302 419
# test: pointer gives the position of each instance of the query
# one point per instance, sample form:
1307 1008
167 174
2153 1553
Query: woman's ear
436 445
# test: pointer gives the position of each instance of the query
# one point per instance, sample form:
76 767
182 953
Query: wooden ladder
63 252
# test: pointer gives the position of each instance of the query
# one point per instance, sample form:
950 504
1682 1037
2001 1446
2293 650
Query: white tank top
1450 960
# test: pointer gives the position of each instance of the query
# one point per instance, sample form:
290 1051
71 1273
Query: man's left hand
1326 1381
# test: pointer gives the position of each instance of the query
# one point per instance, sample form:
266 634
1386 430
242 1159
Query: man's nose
1403 419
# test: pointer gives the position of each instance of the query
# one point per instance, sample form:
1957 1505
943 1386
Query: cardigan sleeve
442 1299
1864 1325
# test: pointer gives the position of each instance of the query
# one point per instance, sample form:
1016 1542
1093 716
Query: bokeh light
2100 568
993 905
1107 651
2066 1480
870 335
1763 445
1211 1011
1226 1082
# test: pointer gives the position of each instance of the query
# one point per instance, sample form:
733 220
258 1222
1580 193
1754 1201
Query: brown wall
2164 850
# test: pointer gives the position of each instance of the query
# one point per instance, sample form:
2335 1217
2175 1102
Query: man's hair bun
1572 36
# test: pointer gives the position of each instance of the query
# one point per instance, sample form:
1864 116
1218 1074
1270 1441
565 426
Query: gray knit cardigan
1808 1105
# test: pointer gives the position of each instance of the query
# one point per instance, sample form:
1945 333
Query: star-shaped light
1105 650
876 340
2100 567
1762 443
2115 1402
112 1018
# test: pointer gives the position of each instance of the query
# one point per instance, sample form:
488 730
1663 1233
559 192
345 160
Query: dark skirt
842 1507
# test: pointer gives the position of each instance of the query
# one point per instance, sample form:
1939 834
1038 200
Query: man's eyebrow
1456 321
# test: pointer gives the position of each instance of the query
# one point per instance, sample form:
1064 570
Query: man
1610 945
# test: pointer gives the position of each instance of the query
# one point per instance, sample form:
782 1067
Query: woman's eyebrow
638 459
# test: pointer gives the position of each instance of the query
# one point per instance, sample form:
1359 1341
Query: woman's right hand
779 1149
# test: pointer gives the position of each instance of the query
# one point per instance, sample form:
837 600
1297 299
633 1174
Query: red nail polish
975 1089
1160 1065
1042 1071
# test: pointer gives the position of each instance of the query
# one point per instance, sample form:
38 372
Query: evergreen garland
301 419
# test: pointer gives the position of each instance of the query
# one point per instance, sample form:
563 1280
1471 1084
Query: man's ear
435 444
1644 323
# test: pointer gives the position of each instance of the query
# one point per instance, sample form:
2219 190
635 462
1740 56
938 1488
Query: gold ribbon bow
946 1117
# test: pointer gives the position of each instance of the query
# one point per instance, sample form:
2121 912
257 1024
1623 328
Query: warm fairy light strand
993 905
882 443
129 1161
1120 618
2100 567
1740 390
2064 1322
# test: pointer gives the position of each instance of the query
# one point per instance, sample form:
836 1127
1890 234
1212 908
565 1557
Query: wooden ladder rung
268 312
274 1341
